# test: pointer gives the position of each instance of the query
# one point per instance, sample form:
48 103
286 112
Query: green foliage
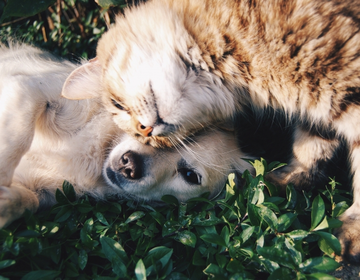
67 28
246 234
21 8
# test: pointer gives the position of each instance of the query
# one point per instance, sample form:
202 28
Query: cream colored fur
46 139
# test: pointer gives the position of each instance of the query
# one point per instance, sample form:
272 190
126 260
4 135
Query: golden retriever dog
46 139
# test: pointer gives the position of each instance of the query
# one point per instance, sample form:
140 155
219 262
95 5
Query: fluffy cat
168 68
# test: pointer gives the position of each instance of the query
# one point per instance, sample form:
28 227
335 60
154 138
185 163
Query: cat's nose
144 130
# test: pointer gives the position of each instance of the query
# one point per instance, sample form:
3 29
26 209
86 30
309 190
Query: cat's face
157 86
151 90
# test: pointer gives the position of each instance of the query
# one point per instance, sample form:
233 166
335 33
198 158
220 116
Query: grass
246 234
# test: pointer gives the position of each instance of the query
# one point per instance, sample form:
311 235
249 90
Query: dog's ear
84 82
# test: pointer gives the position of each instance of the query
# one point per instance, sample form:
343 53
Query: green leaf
324 246
82 260
275 165
140 271
291 196
339 209
317 211
331 241
60 197
221 260
160 255
28 233
101 218
64 213
69 191
113 249
254 215
281 273
6 263
170 199
84 207
268 216
328 223
246 233
115 253
41 274
107 3
320 276
24 8
135 216
234 266
225 234
285 221
187 238
197 259
298 234
214 270
213 238
319 264
277 255
259 167
207 219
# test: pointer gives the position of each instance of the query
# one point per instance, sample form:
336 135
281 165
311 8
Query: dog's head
199 166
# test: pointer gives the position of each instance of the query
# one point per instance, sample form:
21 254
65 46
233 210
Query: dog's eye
117 105
190 176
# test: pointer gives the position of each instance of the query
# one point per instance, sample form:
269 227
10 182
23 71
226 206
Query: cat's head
152 78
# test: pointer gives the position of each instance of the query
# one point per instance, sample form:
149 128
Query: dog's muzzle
129 167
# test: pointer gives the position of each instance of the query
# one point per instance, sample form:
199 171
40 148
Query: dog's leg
21 102
14 200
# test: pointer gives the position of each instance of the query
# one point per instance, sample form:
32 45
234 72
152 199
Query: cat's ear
84 82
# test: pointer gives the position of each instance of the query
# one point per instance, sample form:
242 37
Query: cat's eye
190 176
118 105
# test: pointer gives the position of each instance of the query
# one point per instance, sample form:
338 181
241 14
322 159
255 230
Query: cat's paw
349 237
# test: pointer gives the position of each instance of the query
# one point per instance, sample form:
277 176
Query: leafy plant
246 234
67 28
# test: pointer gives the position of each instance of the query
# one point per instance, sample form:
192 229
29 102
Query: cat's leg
349 232
14 200
310 154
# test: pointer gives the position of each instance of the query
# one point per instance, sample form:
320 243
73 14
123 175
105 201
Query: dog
46 139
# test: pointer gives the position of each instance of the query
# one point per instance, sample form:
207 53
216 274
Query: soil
346 271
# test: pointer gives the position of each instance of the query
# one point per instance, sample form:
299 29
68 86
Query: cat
169 68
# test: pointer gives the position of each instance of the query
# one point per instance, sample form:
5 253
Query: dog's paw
14 201
8 206
349 237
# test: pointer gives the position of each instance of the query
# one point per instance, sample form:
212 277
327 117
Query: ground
346 271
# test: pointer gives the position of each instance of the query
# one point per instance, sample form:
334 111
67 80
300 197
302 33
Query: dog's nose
144 130
130 166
